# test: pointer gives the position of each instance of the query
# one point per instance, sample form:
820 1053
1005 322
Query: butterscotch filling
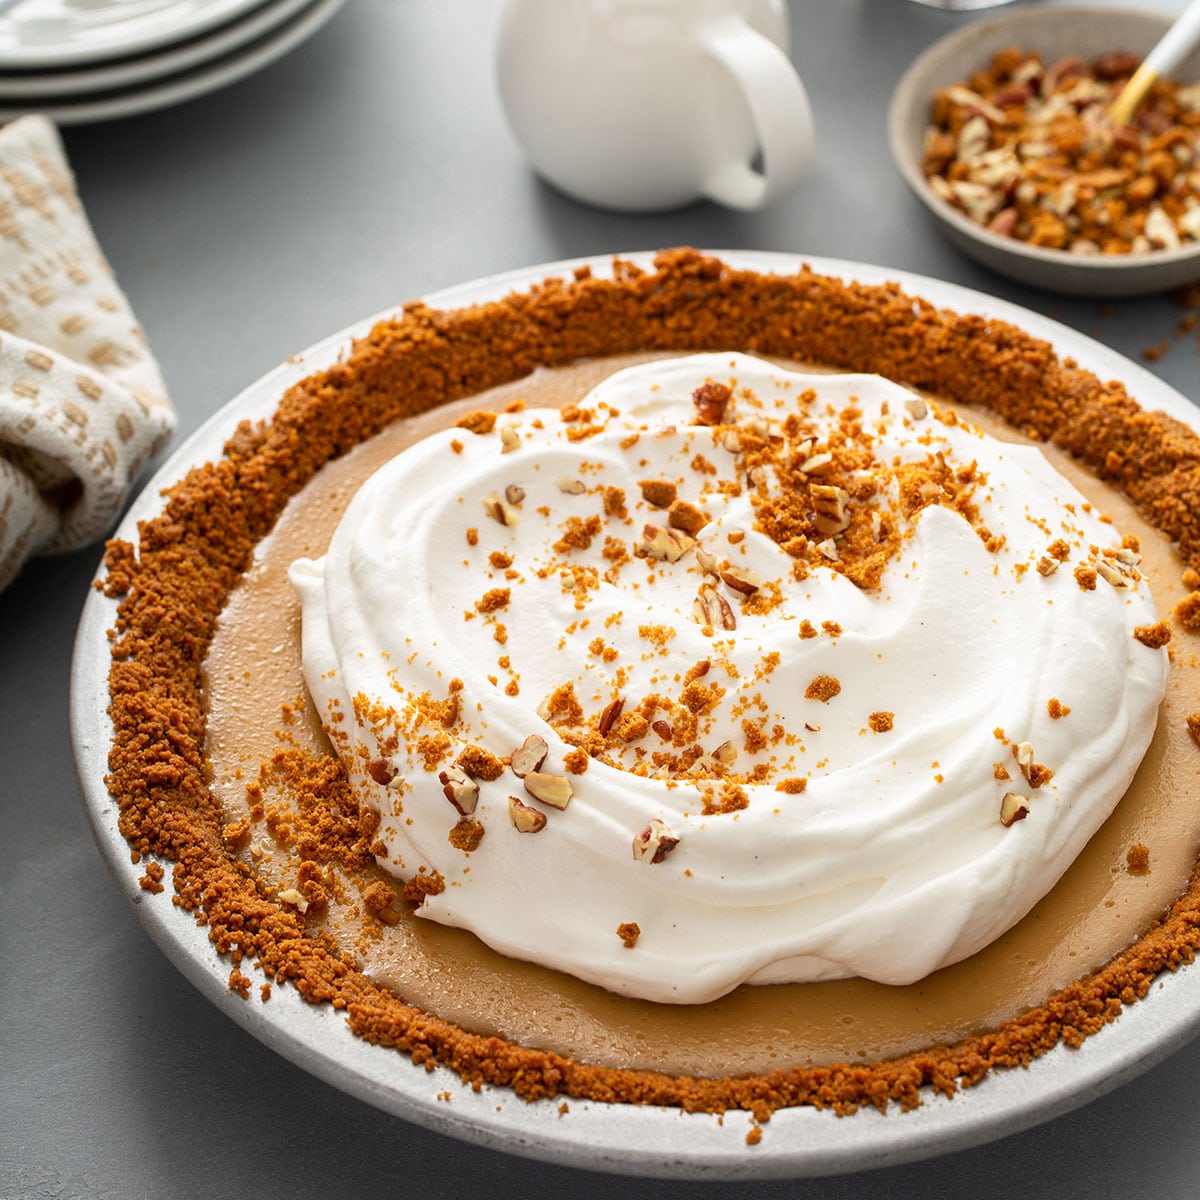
1132 869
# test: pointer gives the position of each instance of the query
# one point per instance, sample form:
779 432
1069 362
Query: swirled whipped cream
730 674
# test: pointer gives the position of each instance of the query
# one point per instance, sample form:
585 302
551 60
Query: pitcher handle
779 107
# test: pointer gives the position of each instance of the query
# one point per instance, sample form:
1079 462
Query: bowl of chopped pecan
1001 130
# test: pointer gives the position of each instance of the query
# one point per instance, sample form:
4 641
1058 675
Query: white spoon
1165 57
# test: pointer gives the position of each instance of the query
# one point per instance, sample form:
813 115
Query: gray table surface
369 166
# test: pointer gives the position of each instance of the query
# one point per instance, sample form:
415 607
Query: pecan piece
612 710
1115 64
554 790
742 579
668 545
529 755
711 608
707 560
1013 808
711 400
725 753
654 843
1112 574
525 818
829 505
460 789
816 463
381 770
499 509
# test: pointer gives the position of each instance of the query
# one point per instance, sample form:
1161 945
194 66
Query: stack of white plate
91 60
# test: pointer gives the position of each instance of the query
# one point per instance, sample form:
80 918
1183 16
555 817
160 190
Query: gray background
369 166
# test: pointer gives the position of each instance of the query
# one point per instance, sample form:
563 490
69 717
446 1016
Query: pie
222 761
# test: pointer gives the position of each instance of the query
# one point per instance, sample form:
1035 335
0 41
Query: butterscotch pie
690 686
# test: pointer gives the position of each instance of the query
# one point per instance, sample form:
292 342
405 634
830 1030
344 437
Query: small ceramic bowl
1052 33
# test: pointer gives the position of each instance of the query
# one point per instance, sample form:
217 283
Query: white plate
621 1138
187 85
55 86
60 33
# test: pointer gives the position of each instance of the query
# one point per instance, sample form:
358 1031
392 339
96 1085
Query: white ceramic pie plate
620 1138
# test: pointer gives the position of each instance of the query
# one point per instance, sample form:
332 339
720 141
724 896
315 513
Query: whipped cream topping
730 674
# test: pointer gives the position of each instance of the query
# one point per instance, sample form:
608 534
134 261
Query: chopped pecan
525 817
657 541
612 710
554 790
654 843
742 579
460 789
711 400
381 770
529 755
711 608
500 510
1013 808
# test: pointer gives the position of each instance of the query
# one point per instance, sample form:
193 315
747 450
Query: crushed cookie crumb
793 786
1187 612
466 835
421 886
614 502
477 421
151 879
881 722
629 932
1155 636
578 533
576 760
493 600
659 493
480 763
823 688
685 516
1137 859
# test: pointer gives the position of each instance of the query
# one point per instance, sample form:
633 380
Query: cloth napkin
83 407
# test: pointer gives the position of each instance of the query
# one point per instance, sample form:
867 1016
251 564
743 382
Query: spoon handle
1167 54
1177 41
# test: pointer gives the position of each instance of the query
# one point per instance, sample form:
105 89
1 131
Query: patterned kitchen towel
83 407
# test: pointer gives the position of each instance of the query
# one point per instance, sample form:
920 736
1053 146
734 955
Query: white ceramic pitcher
645 105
